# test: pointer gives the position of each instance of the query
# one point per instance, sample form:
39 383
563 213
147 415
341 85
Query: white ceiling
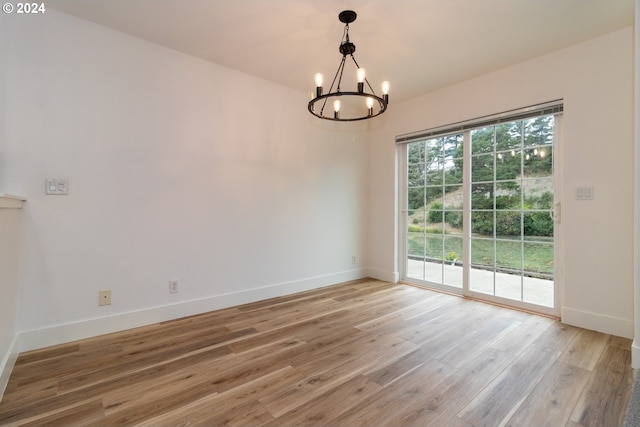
418 45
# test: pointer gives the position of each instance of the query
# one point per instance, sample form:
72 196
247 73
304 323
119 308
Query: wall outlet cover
104 297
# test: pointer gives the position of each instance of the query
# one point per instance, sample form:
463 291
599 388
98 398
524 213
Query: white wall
178 169
9 249
595 79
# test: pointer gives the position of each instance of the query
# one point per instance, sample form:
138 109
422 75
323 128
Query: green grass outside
537 251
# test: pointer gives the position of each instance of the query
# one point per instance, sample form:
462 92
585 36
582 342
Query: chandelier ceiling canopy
350 105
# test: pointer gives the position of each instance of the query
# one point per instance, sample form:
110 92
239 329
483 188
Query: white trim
635 355
7 365
384 275
59 334
635 352
558 228
401 210
598 322
11 201
519 305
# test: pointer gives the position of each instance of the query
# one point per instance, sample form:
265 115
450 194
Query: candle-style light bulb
318 78
361 75
336 109
370 106
385 91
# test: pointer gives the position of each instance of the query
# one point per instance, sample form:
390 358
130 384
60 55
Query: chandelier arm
339 72
344 57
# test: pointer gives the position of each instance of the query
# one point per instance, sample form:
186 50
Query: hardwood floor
356 354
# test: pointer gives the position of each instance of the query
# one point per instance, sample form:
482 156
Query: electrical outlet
173 286
104 297
353 259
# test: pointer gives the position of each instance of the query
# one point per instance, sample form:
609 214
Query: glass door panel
434 214
512 228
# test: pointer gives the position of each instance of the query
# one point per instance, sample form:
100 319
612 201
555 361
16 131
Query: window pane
509 225
435 217
508 195
482 168
453 197
538 162
481 274
482 196
538 192
509 256
509 286
453 262
434 242
453 219
433 194
453 171
508 136
508 165
416 152
538 225
415 197
452 147
538 291
434 173
482 223
482 140
538 131
482 253
538 258
415 243
415 175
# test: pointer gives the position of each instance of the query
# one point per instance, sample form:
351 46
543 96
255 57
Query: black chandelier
360 105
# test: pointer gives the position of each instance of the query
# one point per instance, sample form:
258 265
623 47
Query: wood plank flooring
367 353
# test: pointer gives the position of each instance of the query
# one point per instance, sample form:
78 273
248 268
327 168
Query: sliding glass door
478 212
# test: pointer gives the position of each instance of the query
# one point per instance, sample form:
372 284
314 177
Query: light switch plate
584 193
57 186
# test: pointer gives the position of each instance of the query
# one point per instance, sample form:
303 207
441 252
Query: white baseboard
598 322
6 366
59 334
635 355
384 275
